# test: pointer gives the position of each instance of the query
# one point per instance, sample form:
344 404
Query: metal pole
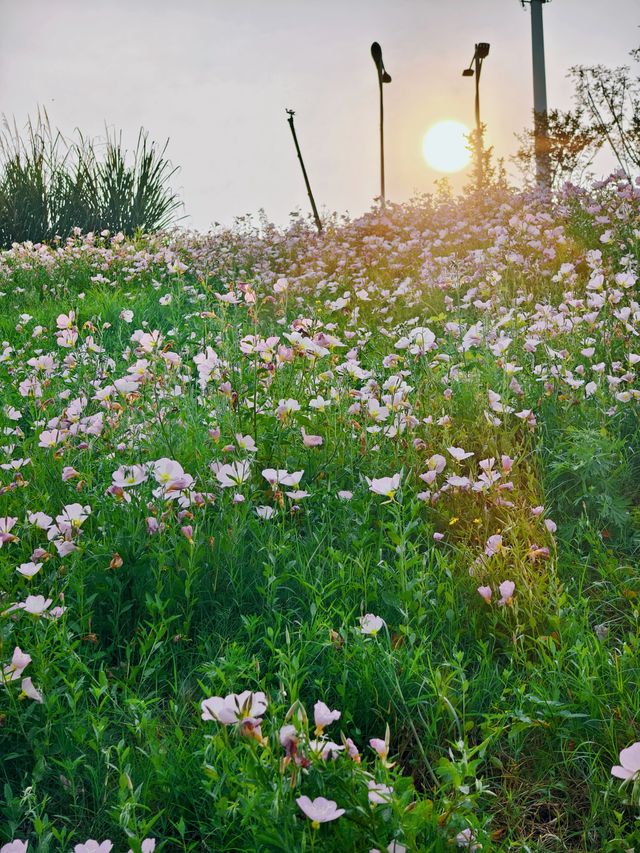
382 192
478 69
316 217
383 77
539 93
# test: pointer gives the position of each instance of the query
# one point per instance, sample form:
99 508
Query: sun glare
444 146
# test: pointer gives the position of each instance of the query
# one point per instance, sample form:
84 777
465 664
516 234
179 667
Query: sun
444 146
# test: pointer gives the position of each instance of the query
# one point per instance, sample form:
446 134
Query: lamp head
376 53
482 50
468 72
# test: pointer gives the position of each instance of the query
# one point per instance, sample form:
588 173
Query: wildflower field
325 542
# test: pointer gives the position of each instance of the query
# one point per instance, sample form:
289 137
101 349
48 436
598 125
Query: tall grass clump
51 185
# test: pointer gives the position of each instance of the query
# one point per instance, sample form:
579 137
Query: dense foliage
50 186
351 516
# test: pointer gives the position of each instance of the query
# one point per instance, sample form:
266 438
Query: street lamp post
383 77
539 93
475 69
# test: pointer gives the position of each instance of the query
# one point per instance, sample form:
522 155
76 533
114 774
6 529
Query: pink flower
507 463
507 588
30 691
378 793
40 519
72 517
28 570
265 512
380 746
68 473
19 662
486 593
92 846
147 846
246 442
467 839
129 475
34 604
233 475
459 454
629 767
386 486
352 750
245 708
319 810
311 440
7 523
15 846
280 477
370 624
323 716
494 545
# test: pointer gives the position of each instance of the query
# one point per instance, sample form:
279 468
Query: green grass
502 720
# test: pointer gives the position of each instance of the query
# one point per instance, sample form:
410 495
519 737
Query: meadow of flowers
325 542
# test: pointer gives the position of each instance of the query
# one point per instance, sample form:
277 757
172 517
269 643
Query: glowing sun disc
444 146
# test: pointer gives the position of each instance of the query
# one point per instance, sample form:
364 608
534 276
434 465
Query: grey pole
290 114
539 93
383 77
480 53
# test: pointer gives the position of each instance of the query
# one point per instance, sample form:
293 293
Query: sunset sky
215 78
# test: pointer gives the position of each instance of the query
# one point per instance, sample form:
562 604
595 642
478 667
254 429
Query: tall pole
539 93
480 53
383 77
383 197
316 217
478 69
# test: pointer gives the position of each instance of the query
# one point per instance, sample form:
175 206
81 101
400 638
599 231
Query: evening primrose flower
486 593
323 716
629 767
319 810
265 512
378 793
19 662
370 624
507 588
246 442
28 570
7 523
92 846
494 545
231 476
467 839
280 477
386 486
147 846
15 846
311 440
246 708
459 454
36 605
72 517
27 688
380 746
392 847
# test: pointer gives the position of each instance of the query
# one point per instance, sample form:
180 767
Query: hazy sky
215 78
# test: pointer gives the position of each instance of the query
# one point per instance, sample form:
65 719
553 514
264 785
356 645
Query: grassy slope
540 702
